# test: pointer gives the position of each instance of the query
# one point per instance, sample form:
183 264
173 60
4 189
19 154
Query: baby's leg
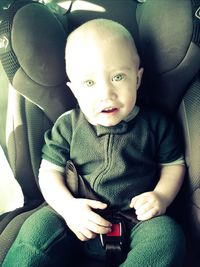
158 242
44 240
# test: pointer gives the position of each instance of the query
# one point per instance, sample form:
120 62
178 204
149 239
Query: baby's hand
148 205
85 222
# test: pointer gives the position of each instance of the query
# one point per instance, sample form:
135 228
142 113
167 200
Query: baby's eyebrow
121 69
87 75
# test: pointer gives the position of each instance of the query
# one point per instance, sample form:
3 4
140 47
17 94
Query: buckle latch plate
116 236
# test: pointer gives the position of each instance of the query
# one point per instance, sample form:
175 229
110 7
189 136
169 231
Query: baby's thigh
45 228
43 240
158 242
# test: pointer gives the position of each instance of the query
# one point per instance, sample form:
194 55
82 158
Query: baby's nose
107 91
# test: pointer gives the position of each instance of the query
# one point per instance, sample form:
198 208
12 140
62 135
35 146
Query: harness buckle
116 236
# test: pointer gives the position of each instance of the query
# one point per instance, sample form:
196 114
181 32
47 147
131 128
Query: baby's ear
139 77
72 87
69 84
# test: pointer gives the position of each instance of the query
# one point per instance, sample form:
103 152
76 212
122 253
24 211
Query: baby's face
104 79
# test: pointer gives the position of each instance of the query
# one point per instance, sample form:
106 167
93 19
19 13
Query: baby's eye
89 83
118 77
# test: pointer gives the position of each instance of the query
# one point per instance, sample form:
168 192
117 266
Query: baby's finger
98 220
88 234
147 215
144 208
133 201
81 236
98 229
94 204
139 202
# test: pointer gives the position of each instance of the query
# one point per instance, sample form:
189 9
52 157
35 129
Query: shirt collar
132 114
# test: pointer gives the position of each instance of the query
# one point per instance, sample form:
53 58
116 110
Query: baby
128 157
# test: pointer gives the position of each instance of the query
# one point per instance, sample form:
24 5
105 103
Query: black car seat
32 40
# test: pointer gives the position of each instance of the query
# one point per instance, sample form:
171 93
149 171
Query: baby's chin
108 123
105 122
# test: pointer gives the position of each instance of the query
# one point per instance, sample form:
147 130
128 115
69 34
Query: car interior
33 92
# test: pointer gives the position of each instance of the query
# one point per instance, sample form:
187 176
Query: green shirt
118 162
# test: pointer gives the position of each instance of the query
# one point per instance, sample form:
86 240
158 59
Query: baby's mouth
109 110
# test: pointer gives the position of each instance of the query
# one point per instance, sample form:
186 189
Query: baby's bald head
96 33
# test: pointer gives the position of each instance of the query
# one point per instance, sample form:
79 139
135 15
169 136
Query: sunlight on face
104 75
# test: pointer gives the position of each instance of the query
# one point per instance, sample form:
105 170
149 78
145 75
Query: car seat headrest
170 49
37 41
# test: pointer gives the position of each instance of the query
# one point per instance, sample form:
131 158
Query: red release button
116 230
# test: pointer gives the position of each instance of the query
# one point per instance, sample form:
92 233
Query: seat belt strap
114 255
114 242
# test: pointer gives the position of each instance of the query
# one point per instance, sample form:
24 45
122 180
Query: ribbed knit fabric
118 162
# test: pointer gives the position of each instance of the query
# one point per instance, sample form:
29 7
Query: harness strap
115 242
122 221
114 254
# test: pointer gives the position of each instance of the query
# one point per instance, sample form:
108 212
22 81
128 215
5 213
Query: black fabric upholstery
191 104
190 113
8 58
167 34
174 58
35 50
196 16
